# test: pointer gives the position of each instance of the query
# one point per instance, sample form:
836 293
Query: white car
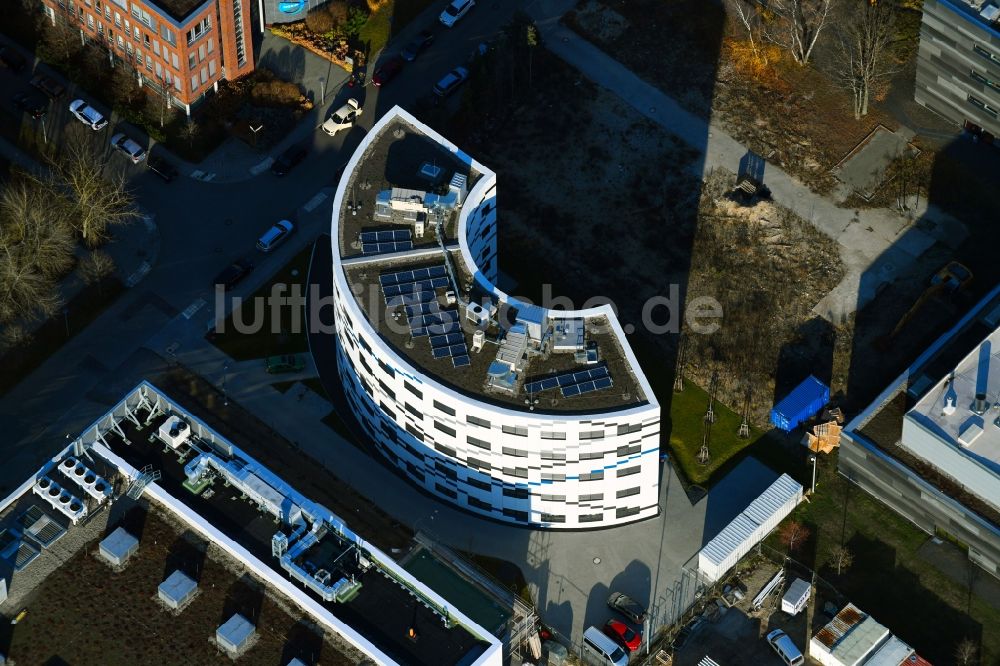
275 235
456 10
129 147
342 118
88 115
785 648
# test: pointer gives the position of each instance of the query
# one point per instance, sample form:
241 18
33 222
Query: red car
388 70
623 635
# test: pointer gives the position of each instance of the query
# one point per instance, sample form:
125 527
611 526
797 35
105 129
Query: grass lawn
888 578
687 412
388 20
265 341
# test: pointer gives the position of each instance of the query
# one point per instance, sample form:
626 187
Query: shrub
356 19
276 93
337 10
319 21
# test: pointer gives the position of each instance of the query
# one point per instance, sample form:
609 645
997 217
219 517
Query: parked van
785 648
602 649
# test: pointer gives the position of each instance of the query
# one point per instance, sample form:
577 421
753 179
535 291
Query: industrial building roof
850 636
951 409
892 653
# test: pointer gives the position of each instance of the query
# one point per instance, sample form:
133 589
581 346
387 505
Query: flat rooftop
984 12
950 408
179 10
67 583
383 610
396 158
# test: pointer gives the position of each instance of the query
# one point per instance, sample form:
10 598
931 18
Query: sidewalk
869 237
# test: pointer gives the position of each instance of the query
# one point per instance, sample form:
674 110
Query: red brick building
179 48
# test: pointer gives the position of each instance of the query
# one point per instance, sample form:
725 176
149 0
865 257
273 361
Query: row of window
988 108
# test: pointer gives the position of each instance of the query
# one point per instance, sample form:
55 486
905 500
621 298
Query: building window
445 429
198 30
550 476
446 450
413 431
553 498
521 516
479 504
168 35
475 420
444 408
107 12
592 476
118 20
516 493
201 57
476 463
516 453
177 83
100 28
445 469
553 435
477 442
989 55
211 45
628 492
173 58
414 412
626 512
592 434
414 391
136 34
628 471
476 483
553 518
553 455
159 71
628 429
629 450
592 456
591 517
592 497
190 61
520 431
156 47
975 101
985 79
149 64
446 491
518 472
90 21
211 67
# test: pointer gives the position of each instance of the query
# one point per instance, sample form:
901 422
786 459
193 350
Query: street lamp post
322 90
812 459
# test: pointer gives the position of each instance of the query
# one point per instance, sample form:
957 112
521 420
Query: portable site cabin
796 596
118 546
804 401
176 590
750 527
234 636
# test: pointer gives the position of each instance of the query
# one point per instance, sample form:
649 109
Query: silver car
88 115
342 118
129 147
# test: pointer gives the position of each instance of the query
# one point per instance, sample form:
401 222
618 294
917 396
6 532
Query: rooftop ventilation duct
979 405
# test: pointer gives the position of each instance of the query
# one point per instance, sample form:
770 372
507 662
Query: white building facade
542 468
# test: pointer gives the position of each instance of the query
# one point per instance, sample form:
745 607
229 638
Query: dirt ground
795 116
126 623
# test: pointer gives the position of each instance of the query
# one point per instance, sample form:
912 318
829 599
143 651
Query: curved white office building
512 411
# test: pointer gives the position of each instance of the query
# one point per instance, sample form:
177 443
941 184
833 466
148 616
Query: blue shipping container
808 398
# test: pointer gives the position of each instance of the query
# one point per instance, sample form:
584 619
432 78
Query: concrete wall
955 45
916 500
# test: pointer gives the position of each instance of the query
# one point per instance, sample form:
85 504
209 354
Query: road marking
313 203
194 307
139 273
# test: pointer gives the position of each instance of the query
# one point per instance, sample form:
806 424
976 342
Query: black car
11 58
628 607
31 103
232 274
48 85
417 46
161 167
289 159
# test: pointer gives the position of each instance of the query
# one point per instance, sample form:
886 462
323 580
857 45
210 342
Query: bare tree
190 131
96 202
125 87
792 534
60 42
96 266
34 224
841 557
864 59
748 12
802 22
966 652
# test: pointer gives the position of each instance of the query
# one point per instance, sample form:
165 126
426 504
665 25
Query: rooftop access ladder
147 475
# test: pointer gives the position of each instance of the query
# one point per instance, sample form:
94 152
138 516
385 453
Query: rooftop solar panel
573 379
446 340
569 391
390 236
441 329
460 361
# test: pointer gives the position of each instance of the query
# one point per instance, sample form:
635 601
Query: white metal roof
177 586
771 500
893 653
797 590
119 543
708 661
729 539
860 641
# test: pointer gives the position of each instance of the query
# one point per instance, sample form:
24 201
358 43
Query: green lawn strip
264 340
888 578
375 32
82 309
687 417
